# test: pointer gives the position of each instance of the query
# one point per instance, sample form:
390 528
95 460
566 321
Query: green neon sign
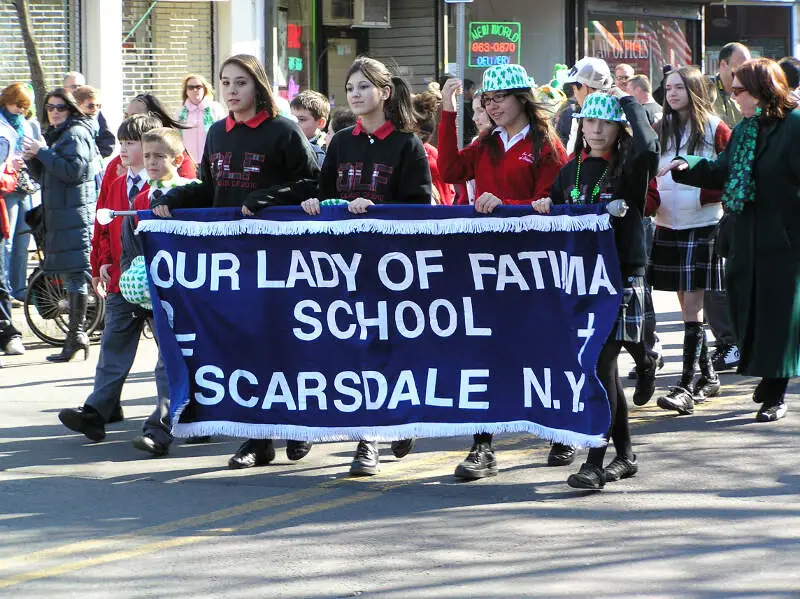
493 43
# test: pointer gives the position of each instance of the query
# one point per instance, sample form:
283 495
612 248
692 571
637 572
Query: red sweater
513 178
447 192
107 240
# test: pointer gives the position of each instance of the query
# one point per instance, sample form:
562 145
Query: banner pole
460 51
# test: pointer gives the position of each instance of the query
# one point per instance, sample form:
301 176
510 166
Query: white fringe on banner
380 433
444 226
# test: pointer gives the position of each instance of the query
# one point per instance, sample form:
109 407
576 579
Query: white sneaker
14 347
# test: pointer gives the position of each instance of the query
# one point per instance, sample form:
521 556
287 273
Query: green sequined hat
504 77
601 105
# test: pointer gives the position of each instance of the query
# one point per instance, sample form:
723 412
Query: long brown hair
619 153
264 98
700 111
398 108
541 132
69 100
764 79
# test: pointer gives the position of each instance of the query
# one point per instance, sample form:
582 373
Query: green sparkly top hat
601 105
504 77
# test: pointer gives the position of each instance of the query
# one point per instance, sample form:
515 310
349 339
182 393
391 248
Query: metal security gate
170 41
56 27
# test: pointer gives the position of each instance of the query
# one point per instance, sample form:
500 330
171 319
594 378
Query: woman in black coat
63 165
759 174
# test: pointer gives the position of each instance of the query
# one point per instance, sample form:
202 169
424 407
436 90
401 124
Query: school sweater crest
513 177
387 167
242 157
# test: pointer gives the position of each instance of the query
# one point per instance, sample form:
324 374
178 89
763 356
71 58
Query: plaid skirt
684 260
636 303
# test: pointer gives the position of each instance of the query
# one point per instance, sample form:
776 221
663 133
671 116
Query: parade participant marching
611 163
123 321
250 151
391 157
514 162
682 259
759 173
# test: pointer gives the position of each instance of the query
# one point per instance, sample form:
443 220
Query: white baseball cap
591 72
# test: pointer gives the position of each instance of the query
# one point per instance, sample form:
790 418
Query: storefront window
647 45
294 45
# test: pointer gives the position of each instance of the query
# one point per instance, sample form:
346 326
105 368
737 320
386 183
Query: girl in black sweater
252 151
613 164
378 161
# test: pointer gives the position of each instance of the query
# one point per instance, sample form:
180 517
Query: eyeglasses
496 98
56 107
194 87
737 89
93 105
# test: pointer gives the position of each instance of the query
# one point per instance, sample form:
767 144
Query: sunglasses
496 98
56 107
737 89
194 87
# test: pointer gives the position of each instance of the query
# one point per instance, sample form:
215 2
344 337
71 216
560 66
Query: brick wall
176 39
56 29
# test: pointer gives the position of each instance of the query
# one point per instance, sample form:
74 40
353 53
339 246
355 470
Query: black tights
608 373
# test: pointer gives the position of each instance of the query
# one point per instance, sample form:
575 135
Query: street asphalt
713 513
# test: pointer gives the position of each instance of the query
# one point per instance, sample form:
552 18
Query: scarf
740 186
208 116
16 121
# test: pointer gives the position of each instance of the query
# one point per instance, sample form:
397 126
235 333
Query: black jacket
244 158
104 138
387 167
638 169
65 170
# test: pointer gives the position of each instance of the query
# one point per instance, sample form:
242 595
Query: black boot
645 380
76 339
297 450
480 461
708 385
680 398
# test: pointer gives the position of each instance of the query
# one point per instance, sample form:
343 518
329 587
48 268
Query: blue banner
410 321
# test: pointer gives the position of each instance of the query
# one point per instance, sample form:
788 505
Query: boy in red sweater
123 321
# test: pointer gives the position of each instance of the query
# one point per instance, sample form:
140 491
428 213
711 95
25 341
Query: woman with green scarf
759 174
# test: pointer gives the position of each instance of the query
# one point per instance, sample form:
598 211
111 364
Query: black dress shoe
117 414
297 450
367 459
401 449
253 452
84 420
561 455
588 477
197 440
147 443
678 399
620 468
480 463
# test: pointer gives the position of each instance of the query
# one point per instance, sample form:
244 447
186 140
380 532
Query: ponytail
399 108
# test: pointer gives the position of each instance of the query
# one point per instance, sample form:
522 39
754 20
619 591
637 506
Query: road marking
168 527
181 541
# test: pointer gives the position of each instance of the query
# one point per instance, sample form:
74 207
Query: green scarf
740 186
208 116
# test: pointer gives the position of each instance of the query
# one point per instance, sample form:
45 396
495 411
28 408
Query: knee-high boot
76 338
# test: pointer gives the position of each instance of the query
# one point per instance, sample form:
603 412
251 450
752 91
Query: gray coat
65 170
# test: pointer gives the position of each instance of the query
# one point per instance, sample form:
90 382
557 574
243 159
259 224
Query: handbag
25 183
133 284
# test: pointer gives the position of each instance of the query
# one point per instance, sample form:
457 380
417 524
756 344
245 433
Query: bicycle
46 305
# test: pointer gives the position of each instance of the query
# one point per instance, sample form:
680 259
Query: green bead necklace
575 194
